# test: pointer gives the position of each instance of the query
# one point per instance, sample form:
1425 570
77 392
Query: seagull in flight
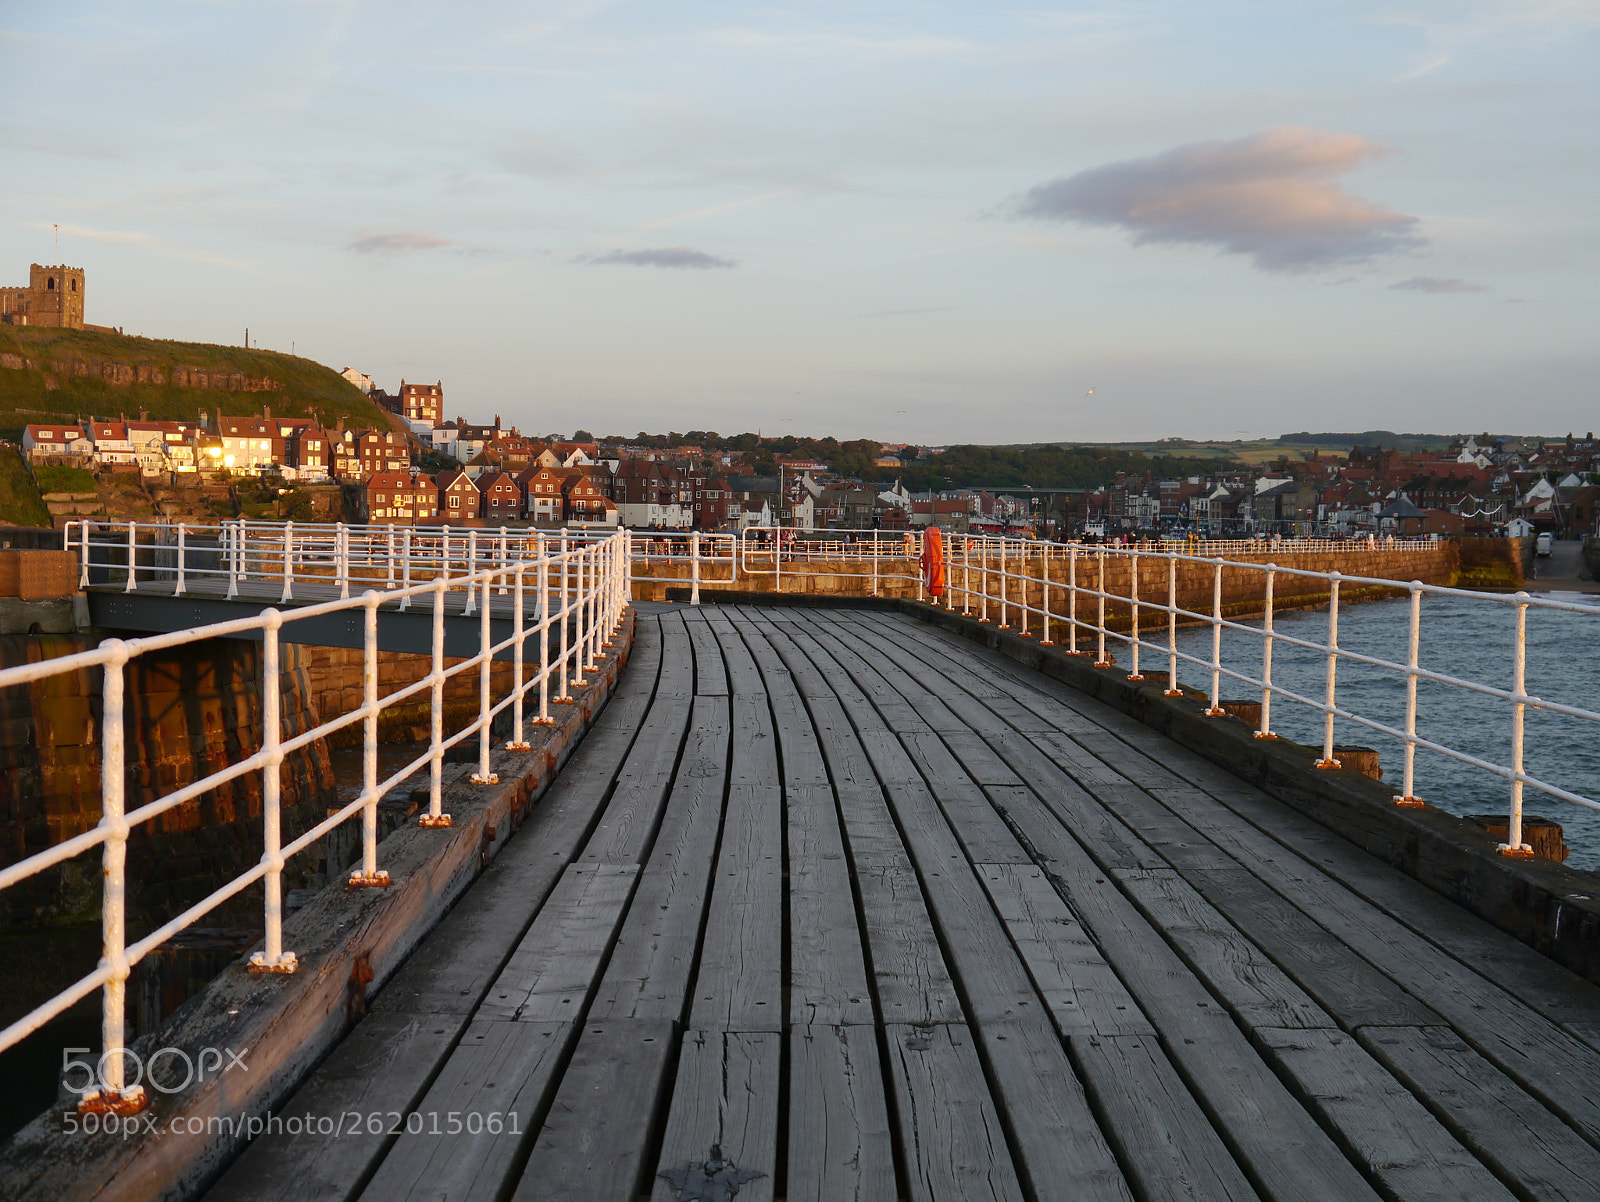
1089 393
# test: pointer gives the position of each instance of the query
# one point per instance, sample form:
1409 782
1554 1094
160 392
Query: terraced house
401 498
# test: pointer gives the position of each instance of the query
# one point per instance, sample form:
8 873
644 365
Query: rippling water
1471 639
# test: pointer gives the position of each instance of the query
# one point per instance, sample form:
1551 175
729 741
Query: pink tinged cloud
404 240
1274 196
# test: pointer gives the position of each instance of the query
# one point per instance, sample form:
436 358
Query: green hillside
54 375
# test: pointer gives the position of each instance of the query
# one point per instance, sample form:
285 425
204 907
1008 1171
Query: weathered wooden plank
848 764
625 829
650 967
676 678
1084 996
755 745
1060 1150
1283 1148
1400 1145
596 1134
1351 989
871 836
1160 1132
949 1129
1070 807
977 757
1163 831
1249 984
839 1144
913 982
722 1130
808 681
1554 991
827 969
710 673
553 969
801 760
1488 1112
465 1136
743 674
384 1065
739 985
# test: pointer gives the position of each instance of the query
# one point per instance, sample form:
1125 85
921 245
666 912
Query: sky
918 222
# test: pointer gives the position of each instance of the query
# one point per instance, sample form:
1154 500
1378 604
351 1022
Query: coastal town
424 469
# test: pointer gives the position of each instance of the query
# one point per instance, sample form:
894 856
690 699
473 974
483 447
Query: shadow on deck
832 904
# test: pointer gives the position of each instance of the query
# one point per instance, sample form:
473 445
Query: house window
455 502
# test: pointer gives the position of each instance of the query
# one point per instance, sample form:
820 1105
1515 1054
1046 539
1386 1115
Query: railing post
1102 660
1172 689
436 815
1215 710
519 634
1329 693
232 537
1044 596
544 594
405 566
83 570
483 776
114 1095
1514 846
503 589
369 875
1072 600
388 571
563 698
133 549
580 606
1413 658
472 566
694 587
1133 603
543 586
182 551
272 957
288 563
1265 730
876 550
341 539
777 555
982 591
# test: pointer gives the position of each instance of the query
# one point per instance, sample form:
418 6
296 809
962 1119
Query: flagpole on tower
55 226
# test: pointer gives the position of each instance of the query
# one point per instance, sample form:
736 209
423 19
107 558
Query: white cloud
1274 196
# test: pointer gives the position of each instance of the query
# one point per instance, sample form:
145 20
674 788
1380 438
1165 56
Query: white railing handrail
580 593
1008 573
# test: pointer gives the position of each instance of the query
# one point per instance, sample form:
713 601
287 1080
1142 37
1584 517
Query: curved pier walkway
833 905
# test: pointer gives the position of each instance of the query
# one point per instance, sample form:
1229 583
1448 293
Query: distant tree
582 436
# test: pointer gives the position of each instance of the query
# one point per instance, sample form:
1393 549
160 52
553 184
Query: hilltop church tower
53 297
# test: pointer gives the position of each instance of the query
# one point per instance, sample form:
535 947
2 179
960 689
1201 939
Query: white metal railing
567 597
1050 589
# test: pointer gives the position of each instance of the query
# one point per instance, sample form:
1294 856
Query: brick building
422 402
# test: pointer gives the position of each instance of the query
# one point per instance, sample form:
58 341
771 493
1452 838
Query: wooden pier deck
833 905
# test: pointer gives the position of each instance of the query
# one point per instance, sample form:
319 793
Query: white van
1544 544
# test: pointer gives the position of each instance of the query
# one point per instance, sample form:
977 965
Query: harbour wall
1244 584
192 711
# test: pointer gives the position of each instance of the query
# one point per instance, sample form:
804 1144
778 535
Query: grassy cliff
55 375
